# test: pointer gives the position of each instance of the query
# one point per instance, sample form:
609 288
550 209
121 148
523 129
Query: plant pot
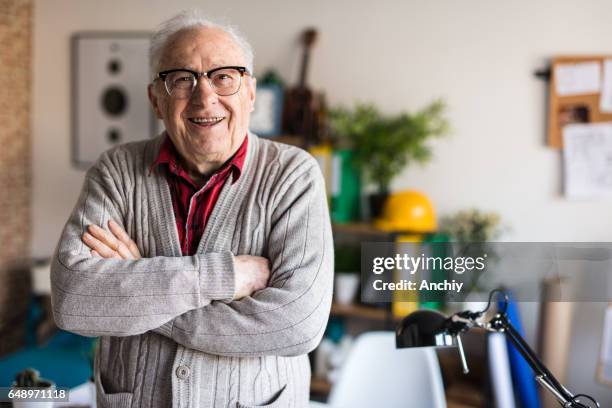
377 203
25 403
346 285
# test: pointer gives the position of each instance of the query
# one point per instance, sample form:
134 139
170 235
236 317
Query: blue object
65 367
335 330
66 359
522 375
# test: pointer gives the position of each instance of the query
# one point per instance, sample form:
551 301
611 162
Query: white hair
191 19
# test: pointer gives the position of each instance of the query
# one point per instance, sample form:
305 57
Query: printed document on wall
578 79
587 157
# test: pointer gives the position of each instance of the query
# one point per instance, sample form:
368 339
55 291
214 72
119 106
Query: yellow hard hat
409 211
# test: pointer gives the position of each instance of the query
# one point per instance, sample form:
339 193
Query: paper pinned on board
605 101
605 366
577 79
587 156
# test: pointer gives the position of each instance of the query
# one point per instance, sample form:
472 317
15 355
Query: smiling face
206 129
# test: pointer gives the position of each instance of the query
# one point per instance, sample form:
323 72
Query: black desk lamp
428 328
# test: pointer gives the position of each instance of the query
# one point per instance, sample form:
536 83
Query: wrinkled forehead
200 48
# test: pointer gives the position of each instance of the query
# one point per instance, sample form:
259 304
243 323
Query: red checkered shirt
192 204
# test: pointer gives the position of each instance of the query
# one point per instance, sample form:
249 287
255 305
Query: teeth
207 120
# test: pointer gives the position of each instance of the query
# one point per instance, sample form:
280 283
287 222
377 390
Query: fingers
99 247
114 244
103 236
110 241
118 240
120 233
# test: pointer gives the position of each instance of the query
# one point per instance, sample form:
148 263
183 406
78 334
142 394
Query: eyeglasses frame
163 74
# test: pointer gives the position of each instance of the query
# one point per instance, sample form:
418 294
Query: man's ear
252 92
154 101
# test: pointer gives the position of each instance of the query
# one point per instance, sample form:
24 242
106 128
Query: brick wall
15 185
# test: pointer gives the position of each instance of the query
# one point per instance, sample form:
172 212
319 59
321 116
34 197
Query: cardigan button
182 372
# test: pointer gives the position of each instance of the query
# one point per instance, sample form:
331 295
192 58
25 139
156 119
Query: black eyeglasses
181 82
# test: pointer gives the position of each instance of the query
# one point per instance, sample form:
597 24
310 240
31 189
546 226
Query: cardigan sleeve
290 315
94 296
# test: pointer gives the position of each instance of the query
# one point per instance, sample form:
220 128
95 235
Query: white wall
479 55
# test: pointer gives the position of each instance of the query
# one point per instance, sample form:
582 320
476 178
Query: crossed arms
194 299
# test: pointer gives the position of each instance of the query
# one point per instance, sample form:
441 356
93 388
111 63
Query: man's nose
204 92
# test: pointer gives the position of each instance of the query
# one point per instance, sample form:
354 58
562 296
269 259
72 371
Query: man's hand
251 272
114 244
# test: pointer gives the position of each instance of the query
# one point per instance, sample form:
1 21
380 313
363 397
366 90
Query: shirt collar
170 156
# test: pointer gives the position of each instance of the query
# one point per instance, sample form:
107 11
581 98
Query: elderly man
202 258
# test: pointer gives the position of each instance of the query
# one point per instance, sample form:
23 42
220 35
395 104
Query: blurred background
446 92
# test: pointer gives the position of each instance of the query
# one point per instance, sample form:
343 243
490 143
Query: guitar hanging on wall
304 110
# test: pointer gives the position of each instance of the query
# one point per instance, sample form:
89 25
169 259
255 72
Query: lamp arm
500 323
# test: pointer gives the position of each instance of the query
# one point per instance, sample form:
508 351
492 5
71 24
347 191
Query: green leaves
473 230
385 144
27 378
468 226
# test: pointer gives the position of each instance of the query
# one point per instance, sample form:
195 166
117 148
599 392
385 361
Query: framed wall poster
267 116
110 74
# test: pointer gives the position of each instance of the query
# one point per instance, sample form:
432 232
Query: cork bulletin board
575 94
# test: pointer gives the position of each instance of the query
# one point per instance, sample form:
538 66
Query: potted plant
472 231
30 378
384 144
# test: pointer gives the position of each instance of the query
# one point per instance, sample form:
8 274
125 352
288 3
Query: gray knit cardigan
170 335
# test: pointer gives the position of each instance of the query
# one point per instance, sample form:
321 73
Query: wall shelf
360 312
358 228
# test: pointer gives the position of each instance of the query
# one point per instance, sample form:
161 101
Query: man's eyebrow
221 65
192 68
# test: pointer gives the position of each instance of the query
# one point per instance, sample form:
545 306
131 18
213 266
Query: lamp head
424 328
